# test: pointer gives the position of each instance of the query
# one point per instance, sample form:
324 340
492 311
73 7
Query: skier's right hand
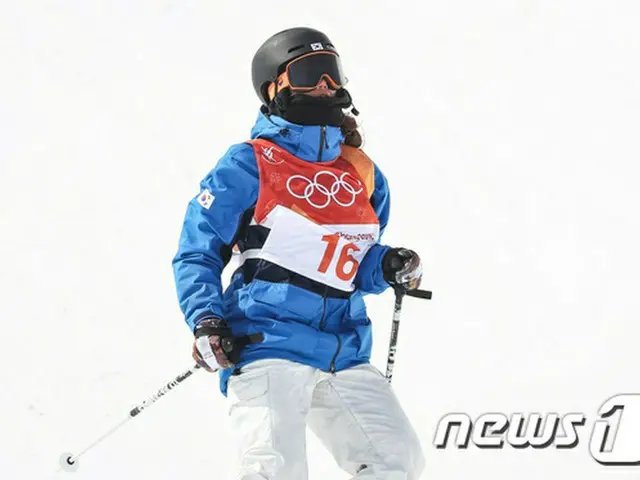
212 345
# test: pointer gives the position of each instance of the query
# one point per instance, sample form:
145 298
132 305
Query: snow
508 133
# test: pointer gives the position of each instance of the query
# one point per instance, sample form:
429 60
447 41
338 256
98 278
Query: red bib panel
321 221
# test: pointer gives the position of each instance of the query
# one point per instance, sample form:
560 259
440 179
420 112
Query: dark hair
352 136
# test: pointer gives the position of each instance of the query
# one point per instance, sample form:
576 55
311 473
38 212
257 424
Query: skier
304 207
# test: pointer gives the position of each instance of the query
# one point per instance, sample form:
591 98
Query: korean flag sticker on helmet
316 46
206 199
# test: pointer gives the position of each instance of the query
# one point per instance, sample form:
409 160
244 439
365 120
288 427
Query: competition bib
330 254
319 215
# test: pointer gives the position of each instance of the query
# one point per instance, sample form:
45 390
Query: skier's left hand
402 268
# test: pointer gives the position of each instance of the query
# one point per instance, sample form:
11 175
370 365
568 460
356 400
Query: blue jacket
297 323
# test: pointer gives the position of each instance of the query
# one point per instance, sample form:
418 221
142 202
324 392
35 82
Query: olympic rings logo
329 193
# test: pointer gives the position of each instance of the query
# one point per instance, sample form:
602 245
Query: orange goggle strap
282 81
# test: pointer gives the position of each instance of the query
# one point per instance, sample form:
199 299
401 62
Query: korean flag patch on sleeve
206 199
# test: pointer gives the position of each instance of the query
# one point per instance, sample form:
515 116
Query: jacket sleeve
369 277
210 225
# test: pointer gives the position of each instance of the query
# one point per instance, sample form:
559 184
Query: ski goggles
303 73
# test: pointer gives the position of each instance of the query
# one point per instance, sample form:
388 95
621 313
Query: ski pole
395 324
69 461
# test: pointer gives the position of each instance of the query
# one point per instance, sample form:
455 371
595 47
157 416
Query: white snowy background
508 131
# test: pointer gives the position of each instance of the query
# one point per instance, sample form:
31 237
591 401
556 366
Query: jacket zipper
324 307
332 366
323 134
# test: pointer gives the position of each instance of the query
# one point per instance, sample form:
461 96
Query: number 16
344 260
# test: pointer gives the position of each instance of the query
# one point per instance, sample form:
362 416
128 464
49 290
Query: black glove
213 344
402 268
215 347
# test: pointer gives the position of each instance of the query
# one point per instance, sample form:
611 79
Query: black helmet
274 54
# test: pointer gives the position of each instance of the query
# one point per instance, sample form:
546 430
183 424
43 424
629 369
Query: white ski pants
354 413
